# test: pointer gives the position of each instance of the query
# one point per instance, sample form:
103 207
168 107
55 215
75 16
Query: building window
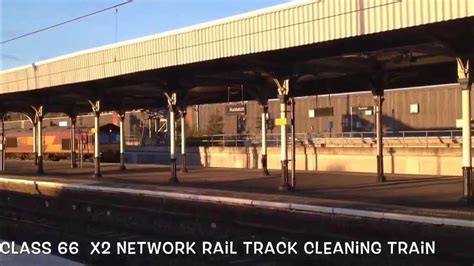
414 108
12 143
66 144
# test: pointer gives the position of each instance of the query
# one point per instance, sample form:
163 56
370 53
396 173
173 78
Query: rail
430 138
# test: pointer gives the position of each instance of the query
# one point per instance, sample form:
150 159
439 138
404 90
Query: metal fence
430 138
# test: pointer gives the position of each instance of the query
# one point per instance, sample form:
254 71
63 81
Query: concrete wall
425 161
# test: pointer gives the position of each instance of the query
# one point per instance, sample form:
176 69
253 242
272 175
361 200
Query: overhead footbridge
298 48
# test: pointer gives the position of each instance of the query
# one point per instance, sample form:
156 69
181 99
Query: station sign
321 112
362 110
236 109
62 123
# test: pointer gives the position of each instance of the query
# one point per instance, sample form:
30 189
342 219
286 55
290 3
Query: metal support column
465 81
73 142
35 140
377 81
172 133
39 140
149 126
3 156
184 167
264 140
283 89
122 140
96 111
197 118
378 100
81 151
293 145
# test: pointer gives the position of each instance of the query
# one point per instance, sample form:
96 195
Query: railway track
36 217
22 226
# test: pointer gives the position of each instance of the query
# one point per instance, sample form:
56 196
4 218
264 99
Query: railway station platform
422 199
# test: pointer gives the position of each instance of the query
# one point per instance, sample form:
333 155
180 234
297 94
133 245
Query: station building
293 50
405 109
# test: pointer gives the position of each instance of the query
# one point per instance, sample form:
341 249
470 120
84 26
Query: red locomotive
57 143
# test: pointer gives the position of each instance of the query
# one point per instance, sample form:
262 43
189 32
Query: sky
136 19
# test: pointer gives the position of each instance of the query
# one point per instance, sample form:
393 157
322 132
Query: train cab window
103 138
66 144
109 138
12 143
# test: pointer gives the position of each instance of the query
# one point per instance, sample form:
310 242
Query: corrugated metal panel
396 111
292 25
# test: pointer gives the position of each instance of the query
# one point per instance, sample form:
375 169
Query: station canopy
341 45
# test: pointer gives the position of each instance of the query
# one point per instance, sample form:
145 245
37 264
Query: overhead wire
65 22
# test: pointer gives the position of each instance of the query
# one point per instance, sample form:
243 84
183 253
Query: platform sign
321 112
281 121
236 109
363 110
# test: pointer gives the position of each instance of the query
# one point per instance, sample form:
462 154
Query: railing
247 140
228 140
431 138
